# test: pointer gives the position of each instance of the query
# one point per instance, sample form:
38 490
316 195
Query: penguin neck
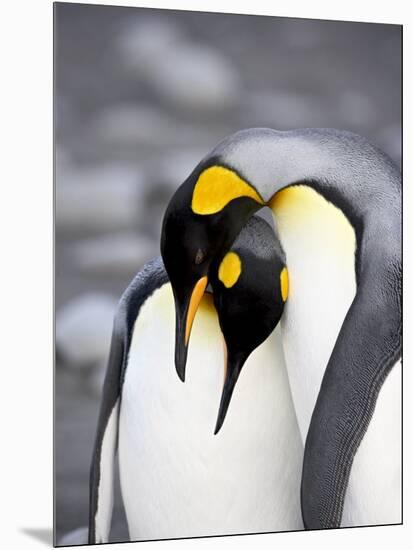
320 244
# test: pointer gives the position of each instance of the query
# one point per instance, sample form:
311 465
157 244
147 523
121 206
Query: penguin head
190 244
250 287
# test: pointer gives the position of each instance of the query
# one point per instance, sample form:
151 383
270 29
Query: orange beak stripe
196 297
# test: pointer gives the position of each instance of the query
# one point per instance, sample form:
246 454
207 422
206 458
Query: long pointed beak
232 371
185 315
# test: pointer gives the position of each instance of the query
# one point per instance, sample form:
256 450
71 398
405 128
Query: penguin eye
200 257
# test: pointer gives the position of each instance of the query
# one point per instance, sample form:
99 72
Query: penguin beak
233 368
185 315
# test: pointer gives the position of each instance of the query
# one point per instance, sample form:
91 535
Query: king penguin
177 478
336 201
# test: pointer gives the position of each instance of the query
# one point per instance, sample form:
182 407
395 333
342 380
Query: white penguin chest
177 478
320 246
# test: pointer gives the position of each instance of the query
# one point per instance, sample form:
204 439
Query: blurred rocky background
141 95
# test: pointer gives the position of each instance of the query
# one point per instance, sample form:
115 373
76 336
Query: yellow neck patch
284 283
230 269
216 187
300 209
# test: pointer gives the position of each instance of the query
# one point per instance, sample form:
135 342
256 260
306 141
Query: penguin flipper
365 352
102 467
101 483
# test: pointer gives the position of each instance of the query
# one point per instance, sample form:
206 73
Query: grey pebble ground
141 96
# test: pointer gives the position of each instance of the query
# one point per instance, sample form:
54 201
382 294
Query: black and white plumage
177 478
336 201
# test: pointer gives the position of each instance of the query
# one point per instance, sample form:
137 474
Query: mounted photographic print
228 274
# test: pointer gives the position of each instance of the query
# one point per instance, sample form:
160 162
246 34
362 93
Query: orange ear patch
216 187
284 283
230 269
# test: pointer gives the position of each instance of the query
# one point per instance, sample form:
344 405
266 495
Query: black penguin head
190 244
250 287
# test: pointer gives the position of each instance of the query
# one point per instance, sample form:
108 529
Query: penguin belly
320 245
178 479
373 495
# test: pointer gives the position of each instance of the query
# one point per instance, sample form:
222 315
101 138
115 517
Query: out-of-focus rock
133 125
189 75
84 328
77 536
196 77
102 198
121 254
